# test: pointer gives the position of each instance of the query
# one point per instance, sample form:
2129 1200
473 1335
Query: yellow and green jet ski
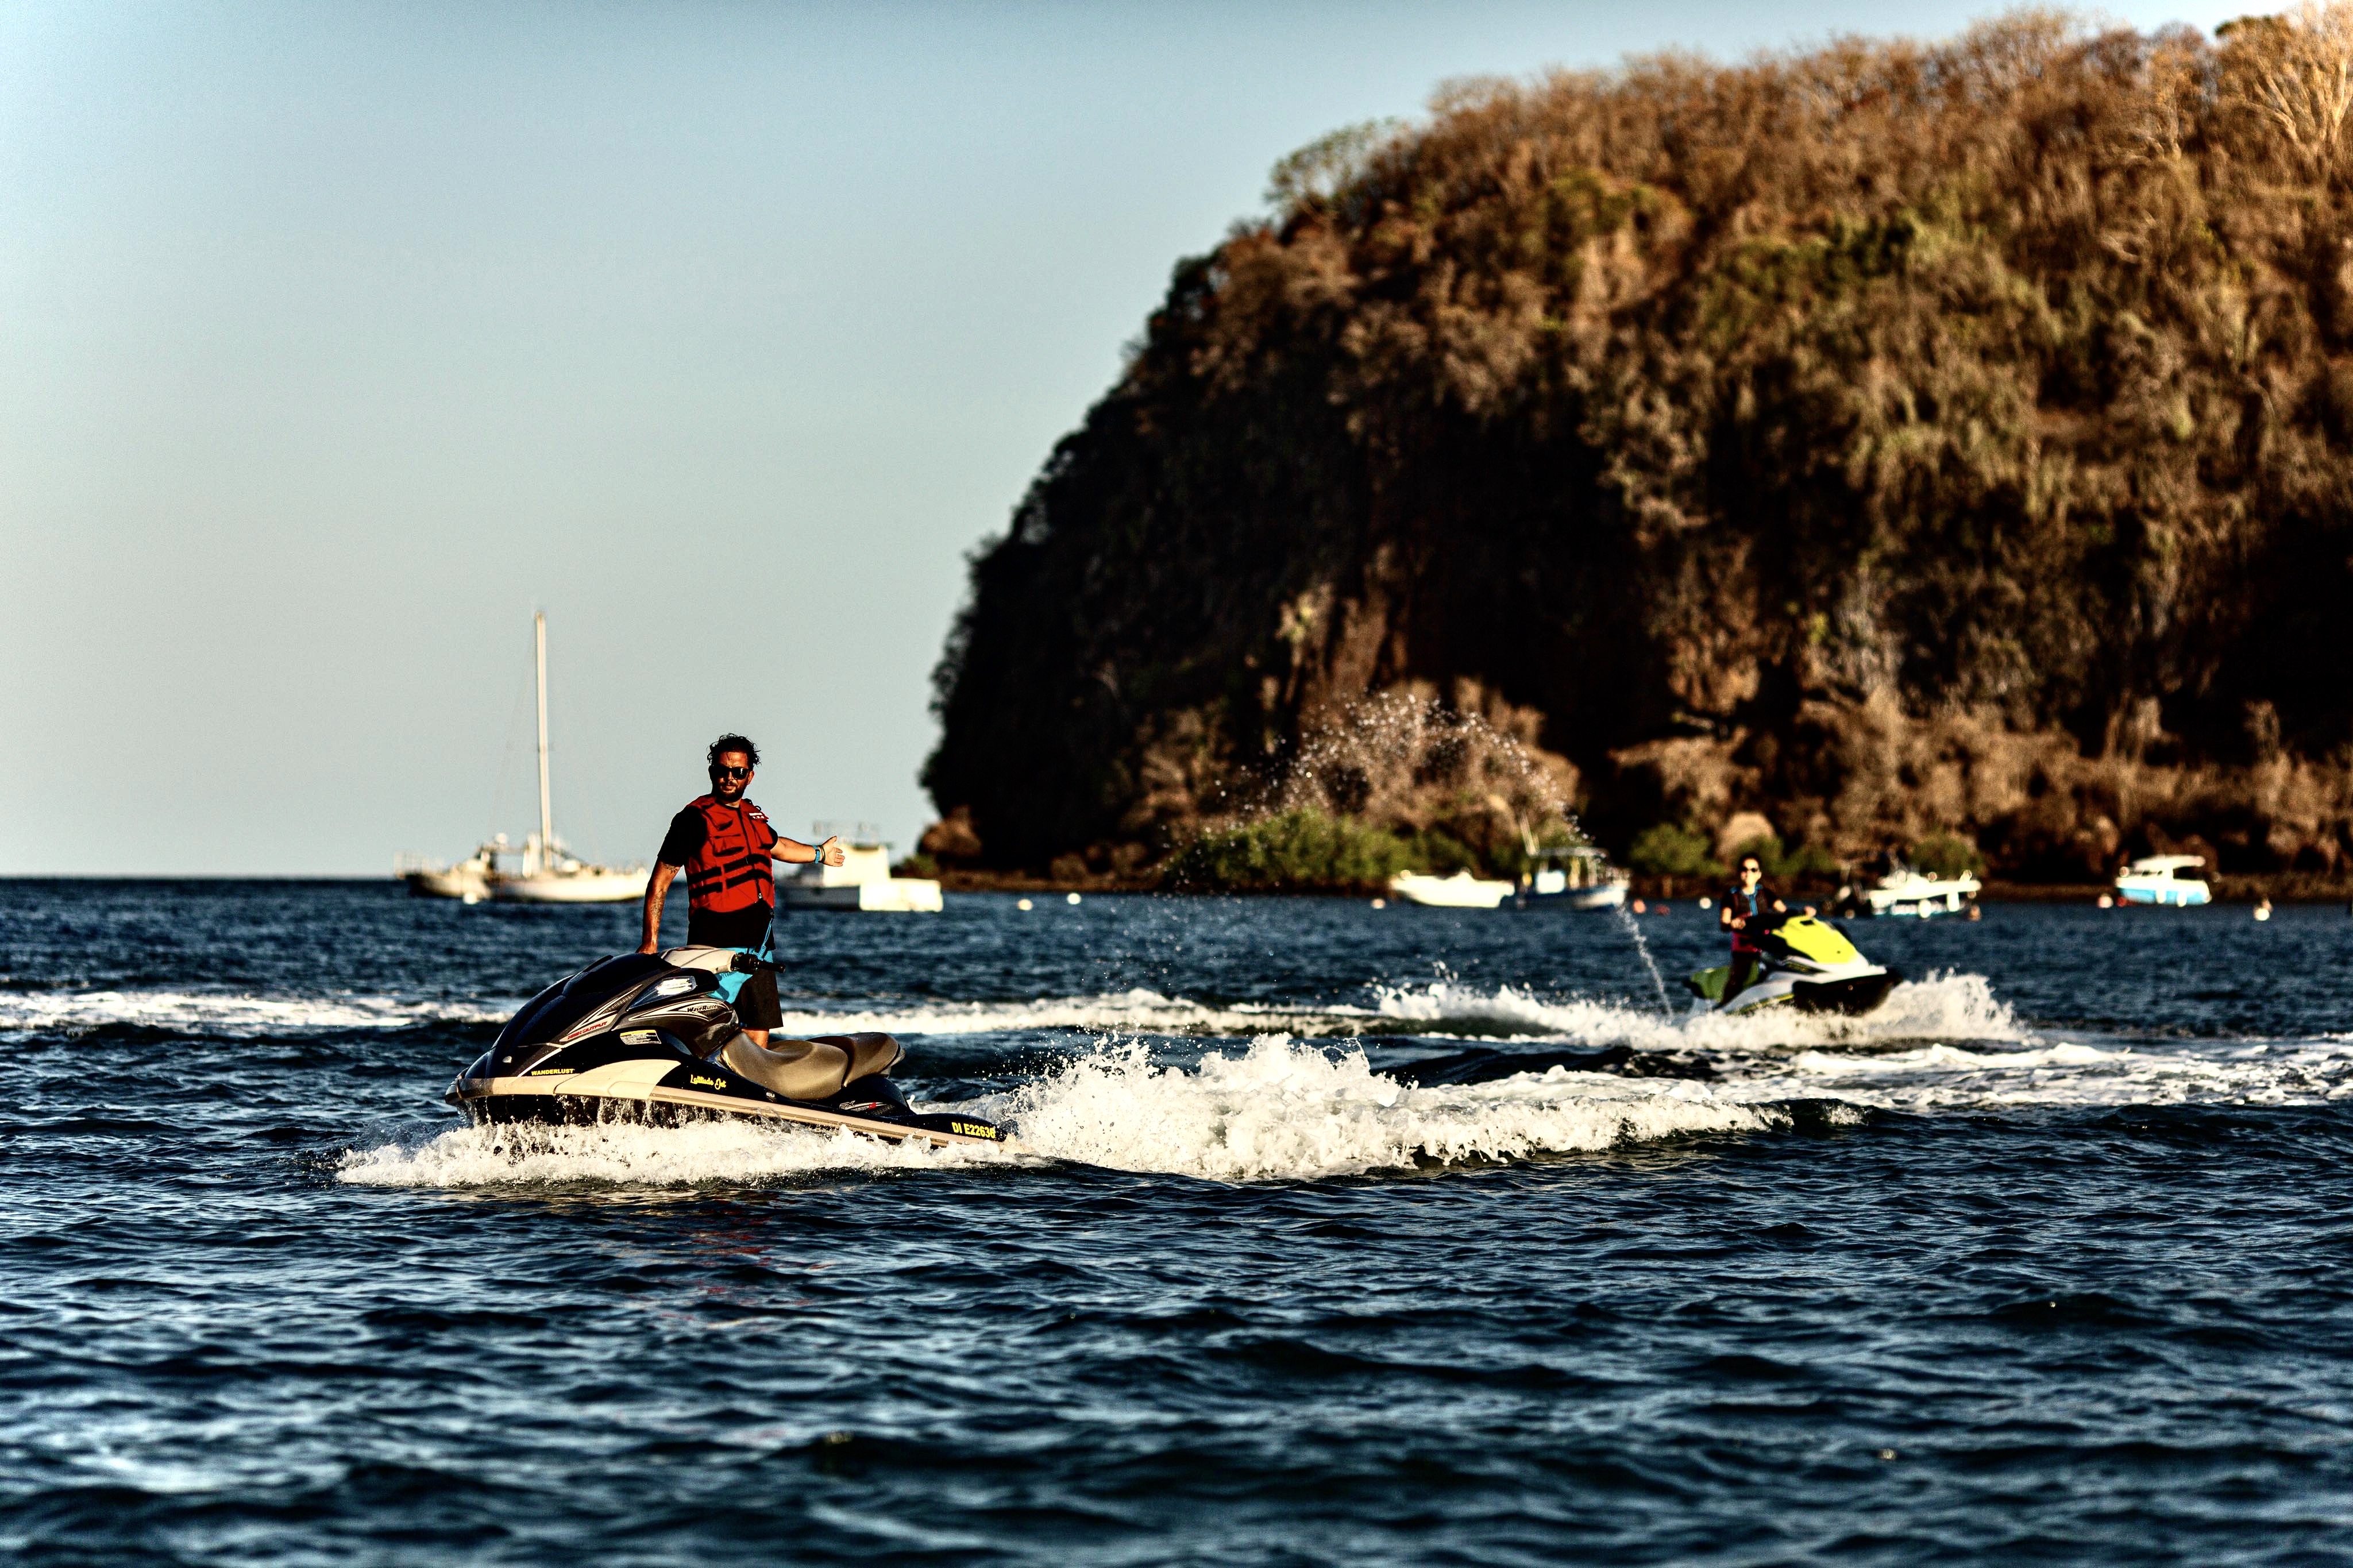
1806 965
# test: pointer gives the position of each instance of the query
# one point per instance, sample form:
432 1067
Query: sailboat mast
546 818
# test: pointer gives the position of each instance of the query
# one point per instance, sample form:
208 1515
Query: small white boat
1924 894
2152 881
1460 891
468 881
1578 878
550 873
861 882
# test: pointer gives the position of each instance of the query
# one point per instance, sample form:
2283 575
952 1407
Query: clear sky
336 339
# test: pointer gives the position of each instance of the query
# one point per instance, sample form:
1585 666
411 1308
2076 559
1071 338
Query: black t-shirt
687 832
709 927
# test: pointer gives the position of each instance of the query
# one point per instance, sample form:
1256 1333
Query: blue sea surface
2046 1261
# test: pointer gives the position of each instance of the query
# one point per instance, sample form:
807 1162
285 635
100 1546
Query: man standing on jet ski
724 844
1745 910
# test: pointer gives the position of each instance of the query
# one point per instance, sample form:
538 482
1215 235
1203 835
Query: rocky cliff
1892 439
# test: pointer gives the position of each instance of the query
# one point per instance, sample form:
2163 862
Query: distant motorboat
468 881
1460 891
861 883
2152 881
550 873
1920 894
1575 877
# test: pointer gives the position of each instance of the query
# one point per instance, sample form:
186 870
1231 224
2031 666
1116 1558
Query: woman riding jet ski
654 1038
1801 963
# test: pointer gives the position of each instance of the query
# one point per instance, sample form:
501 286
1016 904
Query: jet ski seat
869 1054
811 1070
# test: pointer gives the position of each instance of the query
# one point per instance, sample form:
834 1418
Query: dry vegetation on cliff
1896 439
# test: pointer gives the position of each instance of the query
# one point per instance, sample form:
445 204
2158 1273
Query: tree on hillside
1894 439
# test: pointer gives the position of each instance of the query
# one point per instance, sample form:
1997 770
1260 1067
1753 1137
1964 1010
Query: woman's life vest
1752 907
730 870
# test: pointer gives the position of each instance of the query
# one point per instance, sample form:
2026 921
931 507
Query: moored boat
468 881
2153 879
1460 891
550 873
1576 877
862 882
1923 895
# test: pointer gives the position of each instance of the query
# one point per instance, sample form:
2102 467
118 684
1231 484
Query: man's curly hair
732 743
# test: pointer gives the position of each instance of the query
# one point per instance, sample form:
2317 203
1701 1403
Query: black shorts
756 1006
746 927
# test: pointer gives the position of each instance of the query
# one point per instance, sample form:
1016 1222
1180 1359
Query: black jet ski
1808 964
652 1039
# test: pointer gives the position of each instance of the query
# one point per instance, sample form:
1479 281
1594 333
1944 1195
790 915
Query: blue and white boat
2153 879
1577 877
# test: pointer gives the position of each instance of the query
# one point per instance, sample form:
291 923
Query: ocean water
2045 1261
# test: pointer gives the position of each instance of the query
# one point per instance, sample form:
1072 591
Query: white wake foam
1286 1110
1283 1110
633 1155
1940 1008
1137 1012
1946 1078
1959 1007
1295 1102
1278 1110
228 1013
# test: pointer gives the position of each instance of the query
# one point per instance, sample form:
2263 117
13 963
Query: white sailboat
550 873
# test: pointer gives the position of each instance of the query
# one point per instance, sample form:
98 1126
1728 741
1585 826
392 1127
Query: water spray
1394 755
1642 946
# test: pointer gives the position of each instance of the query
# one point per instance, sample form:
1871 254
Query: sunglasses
731 773
1752 870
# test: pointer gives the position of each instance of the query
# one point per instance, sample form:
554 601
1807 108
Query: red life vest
731 869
